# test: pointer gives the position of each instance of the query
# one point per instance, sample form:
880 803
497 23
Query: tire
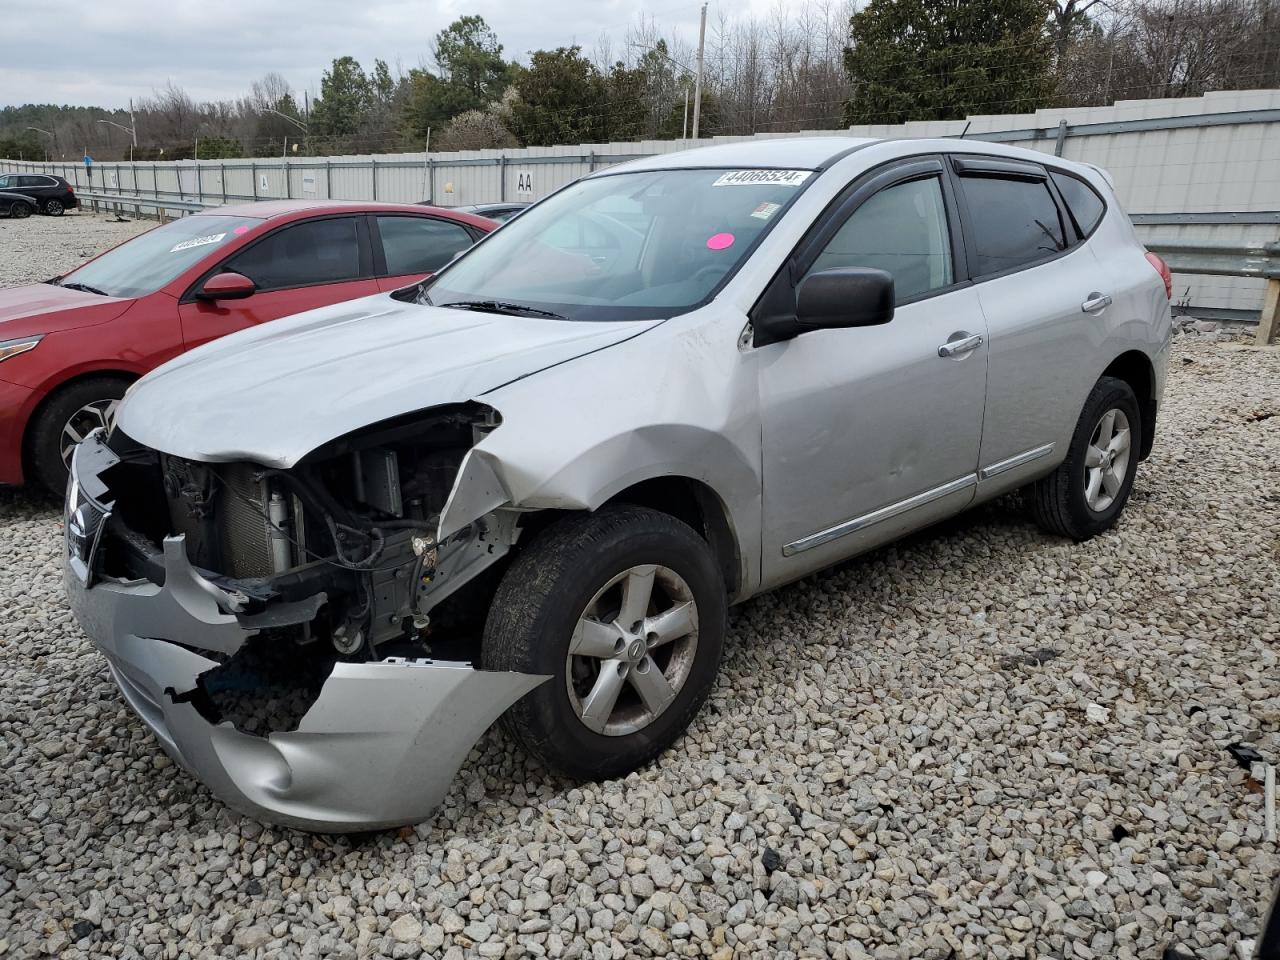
566 573
1064 502
19 211
53 208
45 435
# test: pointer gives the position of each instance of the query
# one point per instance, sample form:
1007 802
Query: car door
1033 281
868 432
411 247
300 266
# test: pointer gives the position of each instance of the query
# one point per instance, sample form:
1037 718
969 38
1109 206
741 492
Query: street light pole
48 134
697 89
132 131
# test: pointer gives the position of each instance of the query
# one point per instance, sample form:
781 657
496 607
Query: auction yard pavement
983 739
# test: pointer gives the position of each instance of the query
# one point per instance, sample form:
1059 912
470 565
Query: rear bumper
377 748
15 402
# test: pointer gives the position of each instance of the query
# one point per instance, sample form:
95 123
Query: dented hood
274 393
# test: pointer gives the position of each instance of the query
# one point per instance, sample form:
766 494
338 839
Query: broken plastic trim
378 747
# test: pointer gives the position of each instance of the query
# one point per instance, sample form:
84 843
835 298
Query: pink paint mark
241 230
721 241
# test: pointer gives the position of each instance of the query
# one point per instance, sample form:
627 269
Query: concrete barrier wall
1201 168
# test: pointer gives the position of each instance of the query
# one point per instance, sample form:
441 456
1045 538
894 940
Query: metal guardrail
95 199
1261 260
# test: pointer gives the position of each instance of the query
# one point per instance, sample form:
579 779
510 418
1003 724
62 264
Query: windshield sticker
751 178
766 210
241 230
198 242
721 241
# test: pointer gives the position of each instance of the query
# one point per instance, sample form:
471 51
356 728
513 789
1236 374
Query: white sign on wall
524 182
308 183
112 175
262 182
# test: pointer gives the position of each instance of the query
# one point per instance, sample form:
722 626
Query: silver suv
323 555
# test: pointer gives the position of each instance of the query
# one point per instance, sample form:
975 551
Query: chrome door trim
846 527
1017 460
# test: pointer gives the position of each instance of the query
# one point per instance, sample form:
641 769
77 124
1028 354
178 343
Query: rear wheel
1087 492
53 208
625 610
66 419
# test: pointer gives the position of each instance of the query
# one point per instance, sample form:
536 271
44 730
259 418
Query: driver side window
903 230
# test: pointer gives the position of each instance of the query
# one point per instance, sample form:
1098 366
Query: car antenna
967 125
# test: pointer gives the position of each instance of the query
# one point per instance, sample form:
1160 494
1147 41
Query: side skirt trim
846 527
1017 460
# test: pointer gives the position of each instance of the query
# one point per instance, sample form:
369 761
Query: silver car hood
274 393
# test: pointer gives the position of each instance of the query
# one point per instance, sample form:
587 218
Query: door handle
958 348
1095 303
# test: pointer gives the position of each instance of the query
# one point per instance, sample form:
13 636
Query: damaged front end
274 628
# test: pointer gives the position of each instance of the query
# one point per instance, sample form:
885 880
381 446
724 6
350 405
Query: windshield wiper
85 288
501 306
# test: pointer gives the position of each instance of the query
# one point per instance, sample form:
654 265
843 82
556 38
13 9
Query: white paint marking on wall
524 183
262 182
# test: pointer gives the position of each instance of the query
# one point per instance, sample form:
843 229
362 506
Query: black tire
1059 502
44 436
537 607
19 211
53 208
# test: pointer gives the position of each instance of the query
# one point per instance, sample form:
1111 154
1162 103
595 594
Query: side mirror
844 297
227 286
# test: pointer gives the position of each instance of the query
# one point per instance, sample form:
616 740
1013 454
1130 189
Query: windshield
624 246
146 263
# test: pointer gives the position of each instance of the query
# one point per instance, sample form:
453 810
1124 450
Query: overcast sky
105 53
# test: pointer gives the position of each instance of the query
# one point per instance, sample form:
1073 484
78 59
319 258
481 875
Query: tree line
819 65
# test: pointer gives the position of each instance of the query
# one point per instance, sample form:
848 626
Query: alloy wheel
632 650
1106 460
99 413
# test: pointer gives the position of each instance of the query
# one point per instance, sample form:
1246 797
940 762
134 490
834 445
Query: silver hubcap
84 421
632 650
1106 460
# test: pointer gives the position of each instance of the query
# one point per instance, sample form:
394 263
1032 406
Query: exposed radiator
241 518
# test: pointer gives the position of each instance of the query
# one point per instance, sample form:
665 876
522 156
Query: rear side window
305 254
1011 223
420 244
1085 205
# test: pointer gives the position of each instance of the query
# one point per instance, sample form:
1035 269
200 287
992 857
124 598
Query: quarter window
903 230
306 254
1012 222
1085 205
420 244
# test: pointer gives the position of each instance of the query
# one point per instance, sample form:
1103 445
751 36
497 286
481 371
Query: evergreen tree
945 59
560 98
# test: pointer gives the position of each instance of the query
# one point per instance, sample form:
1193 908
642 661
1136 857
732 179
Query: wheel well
696 504
1135 369
49 397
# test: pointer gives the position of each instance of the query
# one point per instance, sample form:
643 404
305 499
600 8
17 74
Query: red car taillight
1162 268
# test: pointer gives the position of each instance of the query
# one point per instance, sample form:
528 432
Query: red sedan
70 347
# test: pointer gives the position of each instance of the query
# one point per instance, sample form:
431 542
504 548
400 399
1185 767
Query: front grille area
241 513
221 509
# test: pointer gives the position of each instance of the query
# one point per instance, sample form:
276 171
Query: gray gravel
984 740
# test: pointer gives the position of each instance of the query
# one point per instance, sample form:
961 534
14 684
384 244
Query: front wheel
625 610
1090 488
70 415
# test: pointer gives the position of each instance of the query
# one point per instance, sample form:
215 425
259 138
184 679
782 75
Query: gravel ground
983 742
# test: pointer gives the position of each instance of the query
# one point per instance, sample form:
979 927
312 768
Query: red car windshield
143 265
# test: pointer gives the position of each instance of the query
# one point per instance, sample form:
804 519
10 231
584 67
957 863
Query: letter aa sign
524 182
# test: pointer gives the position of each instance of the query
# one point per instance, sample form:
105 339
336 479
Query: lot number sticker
750 178
198 242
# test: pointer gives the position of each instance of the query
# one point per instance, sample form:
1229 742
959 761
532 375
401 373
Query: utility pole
133 127
697 86
684 130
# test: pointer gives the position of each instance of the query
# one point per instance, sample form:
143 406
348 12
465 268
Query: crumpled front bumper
378 747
